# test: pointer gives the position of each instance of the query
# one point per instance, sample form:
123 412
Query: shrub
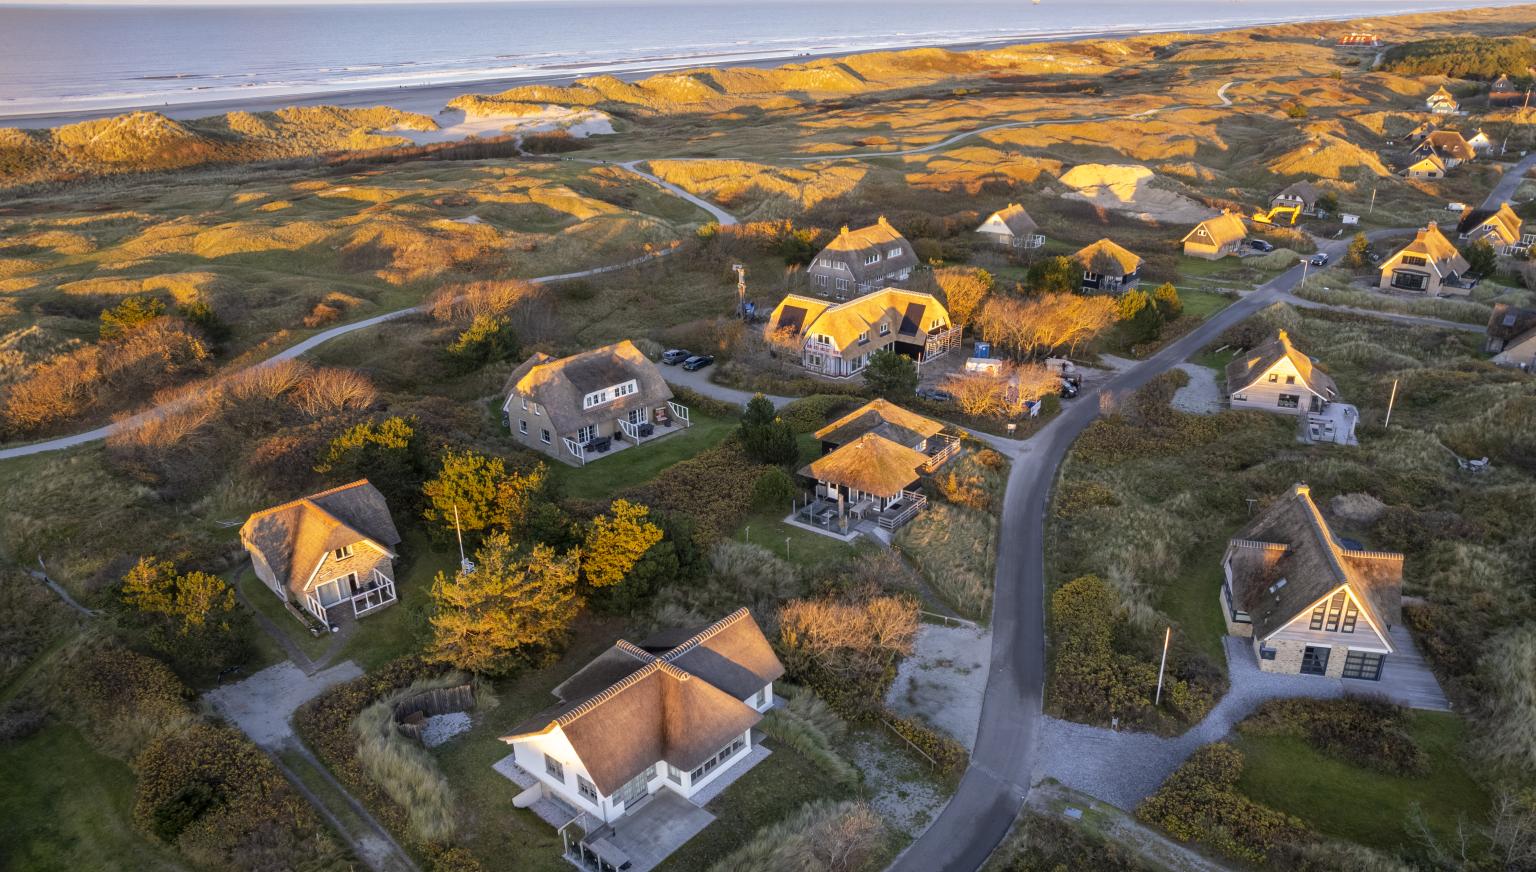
122 700
1049 844
488 339
1365 730
131 313
703 405
1199 803
1508 670
714 488
1074 497
946 754
891 375
956 549
809 414
824 835
774 489
784 725
224 804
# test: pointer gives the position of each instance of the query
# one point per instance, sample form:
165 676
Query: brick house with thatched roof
1311 605
837 339
1011 228
577 409
1430 264
1215 238
862 261
672 713
1108 267
327 551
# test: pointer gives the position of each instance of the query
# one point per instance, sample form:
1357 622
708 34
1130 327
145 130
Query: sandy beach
431 99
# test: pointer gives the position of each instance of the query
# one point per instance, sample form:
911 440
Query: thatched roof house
325 548
1430 263
837 339
1217 237
870 465
1108 266
1012 227
884 419
1311 604
642 717
1501 227
1512 336
861 261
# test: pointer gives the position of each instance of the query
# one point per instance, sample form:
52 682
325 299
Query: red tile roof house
1311 605
660 721
331 553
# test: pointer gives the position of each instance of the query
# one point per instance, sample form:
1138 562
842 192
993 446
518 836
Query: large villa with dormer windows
837 339
580 408
861 262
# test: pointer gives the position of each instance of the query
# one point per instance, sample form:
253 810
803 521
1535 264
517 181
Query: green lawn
791 543
1192 602
66 808
1203 304
771 791
607 476
1362 805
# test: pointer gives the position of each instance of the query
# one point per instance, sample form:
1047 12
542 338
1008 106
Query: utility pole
1391 401
1167 635
741 289
1373 201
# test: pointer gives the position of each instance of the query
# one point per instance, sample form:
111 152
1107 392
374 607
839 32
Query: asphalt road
994 787
1510 182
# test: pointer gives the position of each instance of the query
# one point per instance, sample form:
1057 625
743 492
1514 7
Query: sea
58 59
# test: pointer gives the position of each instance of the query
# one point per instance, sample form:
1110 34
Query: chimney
883 223
1302 490
844 231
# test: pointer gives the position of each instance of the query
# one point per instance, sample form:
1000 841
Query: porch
639 427
366 595
640 840
940 449
824 513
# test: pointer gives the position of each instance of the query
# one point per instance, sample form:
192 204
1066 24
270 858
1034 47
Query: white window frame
586 789
544 436
342 553
554 768
586 434
872 258
522 427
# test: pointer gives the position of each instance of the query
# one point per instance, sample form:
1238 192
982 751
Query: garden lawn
769 792
792 543
1191 600
66 807
1203 304
607 476
1350 802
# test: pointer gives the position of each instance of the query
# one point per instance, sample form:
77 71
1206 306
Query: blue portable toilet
983 349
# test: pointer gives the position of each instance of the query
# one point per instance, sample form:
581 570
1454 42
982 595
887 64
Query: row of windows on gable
1336 615
606 395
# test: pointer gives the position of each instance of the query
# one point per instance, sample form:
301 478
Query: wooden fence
412 712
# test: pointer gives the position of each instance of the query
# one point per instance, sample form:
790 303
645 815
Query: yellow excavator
1290 214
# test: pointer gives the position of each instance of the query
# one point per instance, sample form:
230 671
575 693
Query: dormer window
608 395
872 257
894 252
885 329
342 553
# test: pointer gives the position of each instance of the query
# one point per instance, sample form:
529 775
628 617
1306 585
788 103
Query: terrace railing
911 503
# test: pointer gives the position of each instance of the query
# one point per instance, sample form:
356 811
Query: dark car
1070 387
1320 259
936 395
674 356
1260 245
698 361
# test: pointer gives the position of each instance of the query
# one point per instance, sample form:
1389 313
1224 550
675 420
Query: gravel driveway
945 679
1201 395
263 705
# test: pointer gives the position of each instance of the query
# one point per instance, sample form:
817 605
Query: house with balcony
329 556
1429 264
837 339
581 408
1500 228
1276 378
862 261
1108 268
1215 238
642 737
1011 228
1310 605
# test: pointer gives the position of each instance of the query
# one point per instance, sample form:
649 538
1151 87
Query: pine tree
513 605
482 492
1359 252
1168 303
891 375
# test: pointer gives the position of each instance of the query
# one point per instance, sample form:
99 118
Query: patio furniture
663 418
646 430
602 444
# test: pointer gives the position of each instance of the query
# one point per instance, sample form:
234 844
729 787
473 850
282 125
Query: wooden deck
1405 677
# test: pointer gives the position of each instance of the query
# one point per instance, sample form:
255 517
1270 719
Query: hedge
1369 731
714 488
1199 803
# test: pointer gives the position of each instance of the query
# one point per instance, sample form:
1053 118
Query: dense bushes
1093 680
955 547
1048 844
714 488
223 804
824 835
1199 803
1147 425
948 755
1463 57
1367 731
809 414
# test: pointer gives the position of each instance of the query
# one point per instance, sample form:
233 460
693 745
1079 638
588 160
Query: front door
634 791
1314 661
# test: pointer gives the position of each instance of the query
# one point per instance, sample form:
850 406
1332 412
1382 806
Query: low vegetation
1465 57
846 836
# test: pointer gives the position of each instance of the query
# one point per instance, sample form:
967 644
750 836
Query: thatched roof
1441 96
559 386
631 707
908 314
1450 143
1289 541
1509 323
1502 221
882 418
293 538
850 247
1224 229
1013 218
1432 245
1244 371
1124 261
1306 192
870 463
1428 163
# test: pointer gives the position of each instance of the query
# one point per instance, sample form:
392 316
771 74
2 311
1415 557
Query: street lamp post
1305 262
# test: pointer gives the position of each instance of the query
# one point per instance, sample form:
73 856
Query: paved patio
649 834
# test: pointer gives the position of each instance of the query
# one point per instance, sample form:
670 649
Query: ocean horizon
68 59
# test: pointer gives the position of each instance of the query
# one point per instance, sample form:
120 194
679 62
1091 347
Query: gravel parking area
944 680
1201 396
263 704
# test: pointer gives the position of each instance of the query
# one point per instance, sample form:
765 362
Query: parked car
1260 245
674 356
935 394
698 362
1320 259
1070 387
